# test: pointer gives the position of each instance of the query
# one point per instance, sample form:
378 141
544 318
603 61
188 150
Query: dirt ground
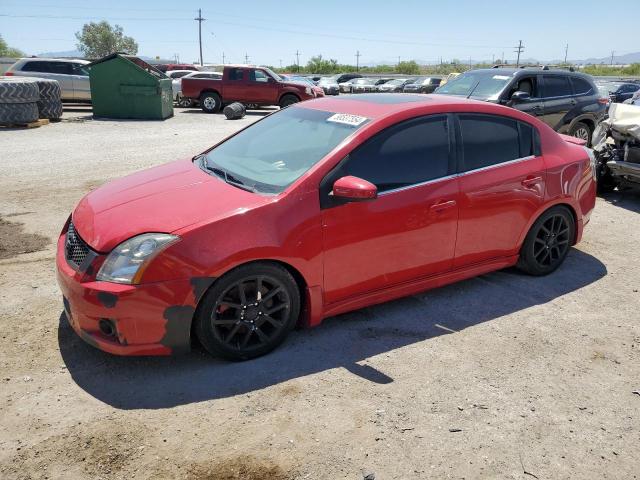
502 376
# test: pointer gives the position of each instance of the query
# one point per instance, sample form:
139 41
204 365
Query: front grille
76 250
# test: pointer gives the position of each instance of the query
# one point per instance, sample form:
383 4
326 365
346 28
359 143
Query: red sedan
323 207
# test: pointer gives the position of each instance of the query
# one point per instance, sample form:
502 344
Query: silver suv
72 75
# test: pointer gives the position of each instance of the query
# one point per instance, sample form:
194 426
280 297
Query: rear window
236 74
581 86
488 140
556 86
36 67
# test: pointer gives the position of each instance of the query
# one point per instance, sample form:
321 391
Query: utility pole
502 59
398 59
297 61
519 49
280 64
246 59
566 51
493 59
612 54
223 57
200 20
358 60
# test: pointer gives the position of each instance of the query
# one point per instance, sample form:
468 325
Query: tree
100 39
7 51
318 64
408 68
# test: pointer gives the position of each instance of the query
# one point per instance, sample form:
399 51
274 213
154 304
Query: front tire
287 100
248 312
210 102
548 241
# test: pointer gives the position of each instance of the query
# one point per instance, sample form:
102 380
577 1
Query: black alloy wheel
548 242
249 312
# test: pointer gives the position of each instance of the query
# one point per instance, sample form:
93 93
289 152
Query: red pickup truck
245 84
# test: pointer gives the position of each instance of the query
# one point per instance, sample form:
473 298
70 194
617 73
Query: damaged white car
616 143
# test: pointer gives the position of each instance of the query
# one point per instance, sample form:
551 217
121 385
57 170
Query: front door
502 185
261 88
409 231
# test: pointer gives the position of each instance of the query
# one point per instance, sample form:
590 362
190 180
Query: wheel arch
301 282
285 93
546 208
210 90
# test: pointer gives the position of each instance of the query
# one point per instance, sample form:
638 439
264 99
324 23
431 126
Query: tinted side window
236 74
488 140
581 86
556 86
36 67
258 76
406 154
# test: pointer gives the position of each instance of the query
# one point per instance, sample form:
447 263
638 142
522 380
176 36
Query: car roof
529 71
378 105
44 59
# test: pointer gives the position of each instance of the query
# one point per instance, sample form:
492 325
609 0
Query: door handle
439 207
531 182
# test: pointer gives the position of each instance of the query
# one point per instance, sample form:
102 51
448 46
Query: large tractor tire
50 103
18 113
234 111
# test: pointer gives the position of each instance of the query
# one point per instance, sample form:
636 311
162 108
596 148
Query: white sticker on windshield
353 120
501 77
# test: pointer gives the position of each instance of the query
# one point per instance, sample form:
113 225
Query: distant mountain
66 53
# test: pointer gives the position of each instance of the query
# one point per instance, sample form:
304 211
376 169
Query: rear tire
581 130
548 241
287 100
248 312
210 102
184 102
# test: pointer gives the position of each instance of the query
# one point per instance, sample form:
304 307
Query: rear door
502 184
558 99
409 231
81 84
235 85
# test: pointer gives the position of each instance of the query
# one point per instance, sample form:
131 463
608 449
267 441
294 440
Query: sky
270 32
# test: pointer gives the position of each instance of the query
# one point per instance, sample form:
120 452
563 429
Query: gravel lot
502 376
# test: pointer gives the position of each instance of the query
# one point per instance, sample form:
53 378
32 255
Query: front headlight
126 263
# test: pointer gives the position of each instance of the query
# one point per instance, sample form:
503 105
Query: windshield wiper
230 179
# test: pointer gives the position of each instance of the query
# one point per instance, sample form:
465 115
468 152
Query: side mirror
520 96
354 189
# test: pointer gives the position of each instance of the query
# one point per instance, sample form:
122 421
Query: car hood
162 199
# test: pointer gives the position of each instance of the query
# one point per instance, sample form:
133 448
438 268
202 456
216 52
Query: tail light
8 74
603 101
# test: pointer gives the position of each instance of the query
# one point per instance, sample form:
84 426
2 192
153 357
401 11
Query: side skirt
416 286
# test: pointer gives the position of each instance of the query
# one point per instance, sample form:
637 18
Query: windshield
302 79
274 152
399 81
478 84
272 73
327 80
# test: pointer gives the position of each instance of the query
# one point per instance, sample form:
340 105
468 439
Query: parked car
422 85
381 81
363 85
319 92
617 148
329 85
71 74
395 85
345 77
635 99
319 209
245 84
176 85
567 101
617 92
449 77
166 67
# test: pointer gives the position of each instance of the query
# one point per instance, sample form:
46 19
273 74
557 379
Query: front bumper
148 319
626 170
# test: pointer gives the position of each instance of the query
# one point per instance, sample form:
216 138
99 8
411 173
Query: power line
199 19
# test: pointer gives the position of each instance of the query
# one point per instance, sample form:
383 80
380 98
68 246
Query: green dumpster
124 86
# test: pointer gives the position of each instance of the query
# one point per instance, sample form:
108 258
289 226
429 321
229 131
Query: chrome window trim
415 185
495 165
456 175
